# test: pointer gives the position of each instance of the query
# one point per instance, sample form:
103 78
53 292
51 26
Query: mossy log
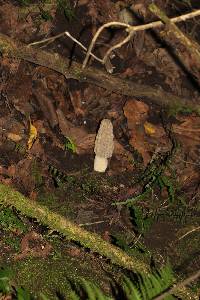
10 197
71 231
92 75
186 49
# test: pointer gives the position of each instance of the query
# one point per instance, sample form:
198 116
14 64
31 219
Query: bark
91 75
187 50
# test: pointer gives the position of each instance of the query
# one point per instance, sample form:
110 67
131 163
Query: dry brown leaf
68 129
190 127
139 143
8 18
32 135
40 248
136 112
23 174
11 170
46 104
19 91
14 137
82 2
76 99
74 251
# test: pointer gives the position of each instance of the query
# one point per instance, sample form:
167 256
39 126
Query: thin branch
128 38
192 230
53 38
81 45
185 49
92 75
117 24
132 29
179 285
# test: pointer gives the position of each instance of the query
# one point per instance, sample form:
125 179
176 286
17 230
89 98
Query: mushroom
104 145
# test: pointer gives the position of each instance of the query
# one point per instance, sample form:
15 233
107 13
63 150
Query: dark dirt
51 173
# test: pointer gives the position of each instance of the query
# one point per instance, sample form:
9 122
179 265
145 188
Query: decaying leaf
14 137
136 112
149 128
32 136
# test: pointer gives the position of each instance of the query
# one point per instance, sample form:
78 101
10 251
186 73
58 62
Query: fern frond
155 283
131 290
93 292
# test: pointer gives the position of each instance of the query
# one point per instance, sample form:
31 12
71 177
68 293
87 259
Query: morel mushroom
104 145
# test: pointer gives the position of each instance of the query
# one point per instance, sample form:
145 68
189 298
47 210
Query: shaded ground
56 167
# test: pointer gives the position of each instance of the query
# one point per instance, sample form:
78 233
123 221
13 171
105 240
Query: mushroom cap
104 143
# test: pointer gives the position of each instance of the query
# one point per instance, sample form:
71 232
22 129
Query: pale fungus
104 145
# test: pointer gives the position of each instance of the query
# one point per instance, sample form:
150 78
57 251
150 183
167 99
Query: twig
192 230
117 46
53 38
179 285
93 223
132 29
117 24
92 75
81 45
186 49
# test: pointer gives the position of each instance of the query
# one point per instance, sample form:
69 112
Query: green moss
13 242
10 221
53 276
70 230
176 108
65 6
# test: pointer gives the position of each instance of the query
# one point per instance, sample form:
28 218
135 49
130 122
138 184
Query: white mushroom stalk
104 145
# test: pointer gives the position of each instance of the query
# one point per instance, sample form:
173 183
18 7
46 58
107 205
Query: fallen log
186 49
93 76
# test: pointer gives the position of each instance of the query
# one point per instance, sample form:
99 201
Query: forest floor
156 159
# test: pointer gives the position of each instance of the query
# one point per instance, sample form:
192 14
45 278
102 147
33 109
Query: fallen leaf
32 244
14 137
11 170
136 112
139 143
190 127
149 128
76 101
32 136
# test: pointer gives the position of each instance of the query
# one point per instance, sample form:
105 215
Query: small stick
192 230
130 28
179 286
93 223
81 45
117 46
53 38
118 24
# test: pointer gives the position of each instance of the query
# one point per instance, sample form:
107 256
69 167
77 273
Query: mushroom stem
100 164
